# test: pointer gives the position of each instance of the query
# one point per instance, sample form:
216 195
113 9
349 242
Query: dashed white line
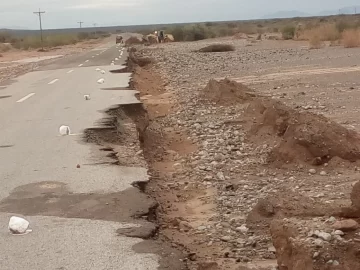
26 97
81 65
70 71
53 81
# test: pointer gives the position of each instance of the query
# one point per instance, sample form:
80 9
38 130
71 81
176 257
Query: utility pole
80 23
39 13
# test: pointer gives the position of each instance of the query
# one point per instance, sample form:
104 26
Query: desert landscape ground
254 152
253 147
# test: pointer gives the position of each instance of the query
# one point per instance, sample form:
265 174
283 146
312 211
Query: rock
318 243
87 97
338 232
102 72
220 176
18 225
78 166
97 69
325 236
346 225
101 81
226 238
312 171
242 229
64 130
323 173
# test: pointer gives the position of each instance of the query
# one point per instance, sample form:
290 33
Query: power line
80 23
39 13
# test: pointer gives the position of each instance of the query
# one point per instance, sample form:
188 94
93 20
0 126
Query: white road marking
26 97
81 65
86 61
53 81
70 71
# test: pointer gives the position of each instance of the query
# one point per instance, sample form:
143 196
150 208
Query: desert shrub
218 48
83 35
315 42
5 37
288 32
351 38
342 26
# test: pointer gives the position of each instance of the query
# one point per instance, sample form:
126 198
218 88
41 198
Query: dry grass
324 32
351 38
218 48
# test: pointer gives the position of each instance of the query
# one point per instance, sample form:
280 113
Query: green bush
288 32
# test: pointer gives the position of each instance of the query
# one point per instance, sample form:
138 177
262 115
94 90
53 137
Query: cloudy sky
66 13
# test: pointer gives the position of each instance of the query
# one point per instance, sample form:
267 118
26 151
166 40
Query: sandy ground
255 174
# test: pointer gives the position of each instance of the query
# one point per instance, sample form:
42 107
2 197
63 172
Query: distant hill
296 13
286 14
4 28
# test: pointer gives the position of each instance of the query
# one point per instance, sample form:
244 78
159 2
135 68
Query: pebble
312 171
323 173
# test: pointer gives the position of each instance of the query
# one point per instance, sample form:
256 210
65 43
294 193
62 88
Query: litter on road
18 225
64 130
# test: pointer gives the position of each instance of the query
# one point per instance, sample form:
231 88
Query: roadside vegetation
341 29
8 41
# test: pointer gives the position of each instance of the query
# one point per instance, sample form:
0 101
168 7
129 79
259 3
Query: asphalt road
40 166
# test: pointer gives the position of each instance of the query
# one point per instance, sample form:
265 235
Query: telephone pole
80 23
39 13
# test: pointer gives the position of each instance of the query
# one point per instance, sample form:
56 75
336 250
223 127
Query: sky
67 13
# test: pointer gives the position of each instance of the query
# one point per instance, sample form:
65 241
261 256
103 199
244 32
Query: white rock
102 72
116 59
98 69
87 97
64 130
323 173
338 232
325 236
100 81
312 171
112 64
242 229
18 225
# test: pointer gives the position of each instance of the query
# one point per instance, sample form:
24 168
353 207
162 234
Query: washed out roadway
38 167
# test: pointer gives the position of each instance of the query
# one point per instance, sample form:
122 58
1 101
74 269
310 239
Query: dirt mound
132 41
300 136
226 92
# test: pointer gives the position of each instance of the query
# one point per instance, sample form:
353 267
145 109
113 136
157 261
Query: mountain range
296 13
